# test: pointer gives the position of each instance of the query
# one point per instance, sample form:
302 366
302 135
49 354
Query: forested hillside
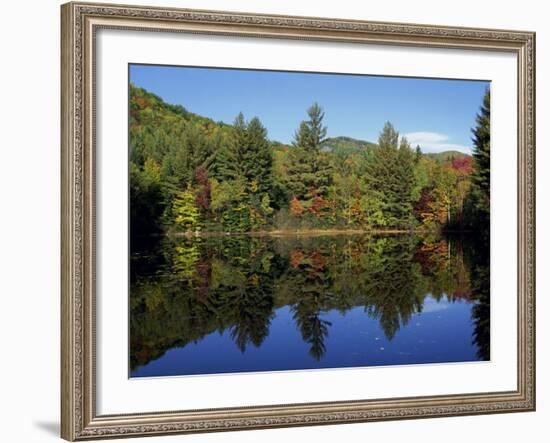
346 143
189 173
447 155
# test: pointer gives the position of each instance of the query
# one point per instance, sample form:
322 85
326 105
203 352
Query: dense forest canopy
191 174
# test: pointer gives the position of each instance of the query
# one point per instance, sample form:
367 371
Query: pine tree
317 132
231 159
418 154
477 205
186 153
247 163
390 176
388 138
248 157
258 158
299 174
302 136
405 164
482 151
309 172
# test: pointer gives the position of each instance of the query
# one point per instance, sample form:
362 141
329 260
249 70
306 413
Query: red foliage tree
317 260
296 258
318 204
296 207
463 165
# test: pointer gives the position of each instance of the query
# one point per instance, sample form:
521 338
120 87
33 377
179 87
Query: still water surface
238 303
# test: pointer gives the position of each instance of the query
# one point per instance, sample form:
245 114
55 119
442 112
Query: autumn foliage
189 171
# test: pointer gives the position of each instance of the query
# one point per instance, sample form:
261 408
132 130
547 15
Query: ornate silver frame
80 21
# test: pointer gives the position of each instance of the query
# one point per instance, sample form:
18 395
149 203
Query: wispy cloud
435 142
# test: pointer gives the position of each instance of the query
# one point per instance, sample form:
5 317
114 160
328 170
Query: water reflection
240 303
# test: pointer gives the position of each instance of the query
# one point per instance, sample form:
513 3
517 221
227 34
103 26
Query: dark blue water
240 305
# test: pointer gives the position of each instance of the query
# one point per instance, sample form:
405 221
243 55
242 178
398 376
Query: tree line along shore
190 174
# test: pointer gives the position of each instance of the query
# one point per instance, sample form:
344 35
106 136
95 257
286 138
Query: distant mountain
348 145
336 143
446 155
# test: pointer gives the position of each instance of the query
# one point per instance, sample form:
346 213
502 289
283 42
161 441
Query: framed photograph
282 221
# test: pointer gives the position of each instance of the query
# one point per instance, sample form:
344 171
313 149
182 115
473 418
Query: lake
240 303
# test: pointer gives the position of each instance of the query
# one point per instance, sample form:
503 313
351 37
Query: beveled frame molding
79 22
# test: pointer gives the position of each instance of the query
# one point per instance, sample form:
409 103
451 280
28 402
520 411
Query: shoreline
298 233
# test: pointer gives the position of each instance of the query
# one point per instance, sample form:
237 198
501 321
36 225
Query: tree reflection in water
185 289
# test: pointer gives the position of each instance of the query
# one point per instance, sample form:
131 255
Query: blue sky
436 114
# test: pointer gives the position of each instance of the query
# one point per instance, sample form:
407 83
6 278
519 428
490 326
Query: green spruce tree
390 177
231 159
258 158
309 172
406 184
477 204
316 130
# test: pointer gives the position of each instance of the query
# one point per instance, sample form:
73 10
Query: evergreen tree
248 157
309 171
405 164
390 175
388 138
477 205
186 153
231 159
482 150
418 154
247 164
317 132
258 158
302 136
